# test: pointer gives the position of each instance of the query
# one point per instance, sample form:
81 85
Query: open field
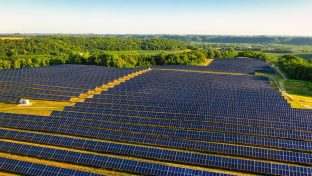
12 38
37 107
305 55
302 55
298 93
169 120
303 88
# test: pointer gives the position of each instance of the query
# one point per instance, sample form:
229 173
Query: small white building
24 101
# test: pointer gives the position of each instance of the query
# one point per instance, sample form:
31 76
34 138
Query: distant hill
286 40
229 39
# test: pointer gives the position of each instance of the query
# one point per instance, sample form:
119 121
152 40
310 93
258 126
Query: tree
17 64
6 64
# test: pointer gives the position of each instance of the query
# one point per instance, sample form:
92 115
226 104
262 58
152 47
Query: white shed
24 101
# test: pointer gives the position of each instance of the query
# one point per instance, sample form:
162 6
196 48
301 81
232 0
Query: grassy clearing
298 87
11 38
298 93
302 55
37 107
206 63
299 102
7 174
305 55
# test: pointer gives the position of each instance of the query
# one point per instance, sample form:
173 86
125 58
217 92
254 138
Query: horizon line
155 34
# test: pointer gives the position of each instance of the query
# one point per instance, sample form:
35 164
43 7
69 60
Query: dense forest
285 40
60 44
48 50
294 66
228 39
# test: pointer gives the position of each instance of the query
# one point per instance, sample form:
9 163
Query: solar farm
168 120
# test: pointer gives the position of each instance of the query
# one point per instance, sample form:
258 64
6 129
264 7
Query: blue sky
224 17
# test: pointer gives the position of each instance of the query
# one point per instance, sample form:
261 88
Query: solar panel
58 83
28 168
188 158
232 122
97 160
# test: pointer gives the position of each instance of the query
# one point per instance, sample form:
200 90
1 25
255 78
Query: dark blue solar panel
216 121
98 161
27 168
58 83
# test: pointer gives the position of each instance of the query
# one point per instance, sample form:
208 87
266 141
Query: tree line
285 40
110 60
294 66
228 39
50 50
54 45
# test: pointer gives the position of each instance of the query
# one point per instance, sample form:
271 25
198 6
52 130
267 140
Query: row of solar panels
158 90
190 108
116 131
21 90
149 120
285 113
20 95
152 109
198 126
57 83
211 161
247 83
160 154
293 123
28 168
40 86
9 99
237 65
99 161
179 121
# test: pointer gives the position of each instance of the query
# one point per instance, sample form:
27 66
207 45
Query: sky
208 17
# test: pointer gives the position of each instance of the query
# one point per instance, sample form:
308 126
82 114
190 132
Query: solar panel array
171 123
28 168
237 65
57 83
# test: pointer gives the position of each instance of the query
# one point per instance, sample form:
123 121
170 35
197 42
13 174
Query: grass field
298 87
295 87
298 93
302 55
11 38
37 107
305 55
